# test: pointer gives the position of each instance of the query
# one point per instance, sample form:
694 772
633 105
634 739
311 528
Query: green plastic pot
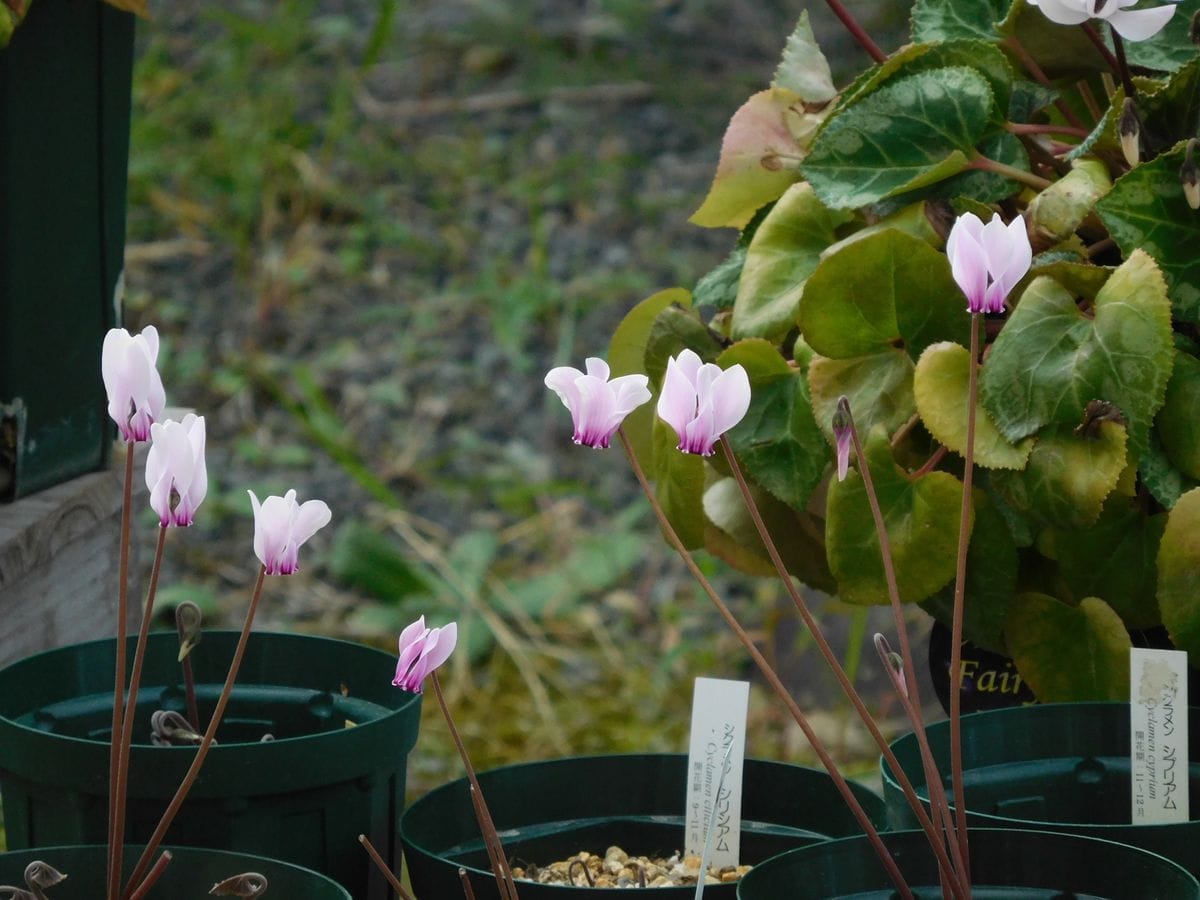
189 876
64 152
1055 767
303 797
1006 864
547 811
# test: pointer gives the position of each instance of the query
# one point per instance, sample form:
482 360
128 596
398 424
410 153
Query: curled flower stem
491 840
960 584
152 876
124 748
834 663
210 734
384 867
771 676
114 872
188 619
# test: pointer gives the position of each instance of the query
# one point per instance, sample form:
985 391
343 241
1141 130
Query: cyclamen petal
987 261
281 525
175 470
421 651
135 393
700 401
1132 25
597 405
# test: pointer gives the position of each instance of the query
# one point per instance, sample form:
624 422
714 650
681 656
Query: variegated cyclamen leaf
944 20
1178 421
804 70
1172 47
1146 210
921 517
1179 574
879 388
911 132
887 291
941 387
1068 475
1165 483
782 254
1051 359
1069 653
778 442
758 131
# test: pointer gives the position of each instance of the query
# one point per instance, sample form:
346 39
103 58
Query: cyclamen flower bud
841 434
1188 177
1129 129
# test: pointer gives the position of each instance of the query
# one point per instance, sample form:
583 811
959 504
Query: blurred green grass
365 230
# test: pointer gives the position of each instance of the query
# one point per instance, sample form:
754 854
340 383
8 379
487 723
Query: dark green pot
64 152
547 811
189 876
1006 864
303 797
1054 767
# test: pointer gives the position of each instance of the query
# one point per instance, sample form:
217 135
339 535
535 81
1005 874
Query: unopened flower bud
841 436
1188 177
1129 129
895 665
1194 28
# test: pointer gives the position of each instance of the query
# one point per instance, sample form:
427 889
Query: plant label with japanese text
715 758
1158 727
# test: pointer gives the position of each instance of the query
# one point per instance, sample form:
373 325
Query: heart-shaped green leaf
757 132
1165 483
887 291
778 442
921 517
1069 653
1179 573
797 535
1059 50
1051 359
783 253
717 289
1115 560
911 132
940 386
1178 421
674 328
1146 209
1068 475
1170 48
945 20
627 356
991 580
879 388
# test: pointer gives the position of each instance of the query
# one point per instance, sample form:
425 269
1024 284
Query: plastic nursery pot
189 876
1005 863
549 811
1054 767
303 797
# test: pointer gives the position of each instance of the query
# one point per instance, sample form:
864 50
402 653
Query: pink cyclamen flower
175 471
281 525
841 436
135 390
702 401
1131 24
598 406
988 260
421 651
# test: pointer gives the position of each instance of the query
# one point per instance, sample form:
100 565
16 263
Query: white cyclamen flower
1131 24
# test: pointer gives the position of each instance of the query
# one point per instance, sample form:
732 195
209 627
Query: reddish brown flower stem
911 701
124 748
384 867
468 891
206 743
772 678
1117 63
946 865
119 673
1035 70
1034 128
152 876
960 585
491 839
856 31
985 164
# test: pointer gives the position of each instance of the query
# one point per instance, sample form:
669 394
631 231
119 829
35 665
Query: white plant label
718 746
1158 728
